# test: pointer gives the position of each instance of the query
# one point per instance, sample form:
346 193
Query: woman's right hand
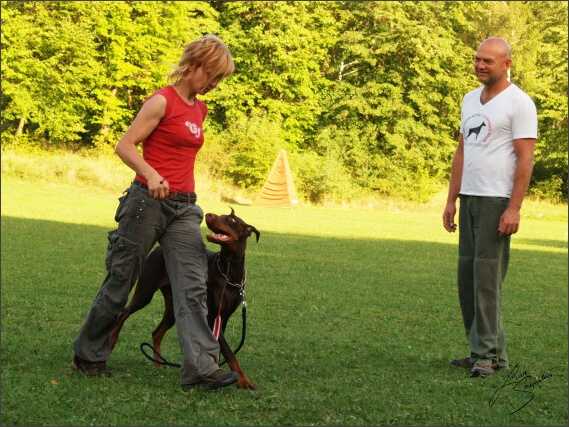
158 187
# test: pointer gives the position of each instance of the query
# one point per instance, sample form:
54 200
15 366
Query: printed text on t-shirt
193 128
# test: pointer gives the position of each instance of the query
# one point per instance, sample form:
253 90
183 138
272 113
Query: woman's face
202 81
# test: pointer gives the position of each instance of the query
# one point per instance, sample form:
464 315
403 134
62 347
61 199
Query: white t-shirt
488 131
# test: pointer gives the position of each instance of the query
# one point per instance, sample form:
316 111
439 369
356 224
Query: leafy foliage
367 93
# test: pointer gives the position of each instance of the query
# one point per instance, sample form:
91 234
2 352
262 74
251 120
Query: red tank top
172 147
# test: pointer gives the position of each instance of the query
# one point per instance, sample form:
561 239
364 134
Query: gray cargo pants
143 221
482 266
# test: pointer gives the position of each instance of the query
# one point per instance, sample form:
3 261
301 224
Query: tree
138 44
547 85
279 48
537 33
393 130
364 96
47 66
80 70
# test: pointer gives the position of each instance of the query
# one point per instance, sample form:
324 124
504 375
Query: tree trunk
20 129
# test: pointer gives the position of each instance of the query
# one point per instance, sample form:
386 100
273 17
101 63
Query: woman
160 207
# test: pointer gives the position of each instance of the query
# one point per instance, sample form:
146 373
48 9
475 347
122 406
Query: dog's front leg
243 381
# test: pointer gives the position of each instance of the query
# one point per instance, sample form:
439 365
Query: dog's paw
245 384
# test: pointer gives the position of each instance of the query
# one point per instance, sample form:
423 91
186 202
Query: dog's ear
251 229
232 211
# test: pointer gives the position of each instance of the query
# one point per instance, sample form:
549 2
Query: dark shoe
91 369
481 370
462 363
215 380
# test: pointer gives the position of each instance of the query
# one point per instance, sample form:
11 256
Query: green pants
482 266
143 221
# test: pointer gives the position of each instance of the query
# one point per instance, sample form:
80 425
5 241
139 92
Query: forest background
364 96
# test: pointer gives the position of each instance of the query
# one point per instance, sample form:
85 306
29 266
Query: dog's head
229 231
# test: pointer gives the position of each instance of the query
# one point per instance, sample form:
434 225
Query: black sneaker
91 369
217 379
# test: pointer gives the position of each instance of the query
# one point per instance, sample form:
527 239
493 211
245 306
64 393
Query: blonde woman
160 206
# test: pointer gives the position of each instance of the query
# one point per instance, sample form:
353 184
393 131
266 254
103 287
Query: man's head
492 61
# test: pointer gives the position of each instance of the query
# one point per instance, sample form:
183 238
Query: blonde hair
208 52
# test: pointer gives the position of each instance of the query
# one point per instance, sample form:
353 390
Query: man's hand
509 222
448 217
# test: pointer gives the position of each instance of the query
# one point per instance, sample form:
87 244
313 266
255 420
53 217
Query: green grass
353 319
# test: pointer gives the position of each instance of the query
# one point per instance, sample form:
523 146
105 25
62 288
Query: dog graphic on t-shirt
475 131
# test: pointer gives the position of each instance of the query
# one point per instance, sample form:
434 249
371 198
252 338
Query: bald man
490 174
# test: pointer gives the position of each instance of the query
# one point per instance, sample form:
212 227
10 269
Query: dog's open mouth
218 238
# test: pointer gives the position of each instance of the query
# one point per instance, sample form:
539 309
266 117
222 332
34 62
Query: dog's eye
231 219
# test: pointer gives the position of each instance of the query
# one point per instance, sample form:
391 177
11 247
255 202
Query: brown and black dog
226 278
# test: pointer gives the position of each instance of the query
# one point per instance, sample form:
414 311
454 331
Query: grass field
353 319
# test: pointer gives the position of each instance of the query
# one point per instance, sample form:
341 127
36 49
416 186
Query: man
490 173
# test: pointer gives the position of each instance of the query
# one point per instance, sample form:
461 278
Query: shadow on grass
561 244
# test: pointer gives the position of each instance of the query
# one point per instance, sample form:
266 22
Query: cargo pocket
121 208
120 259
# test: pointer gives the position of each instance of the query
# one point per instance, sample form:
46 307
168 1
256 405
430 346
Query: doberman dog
475 131
226 279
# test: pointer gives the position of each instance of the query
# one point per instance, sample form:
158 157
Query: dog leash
217 324
164 362
244 318
241 286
